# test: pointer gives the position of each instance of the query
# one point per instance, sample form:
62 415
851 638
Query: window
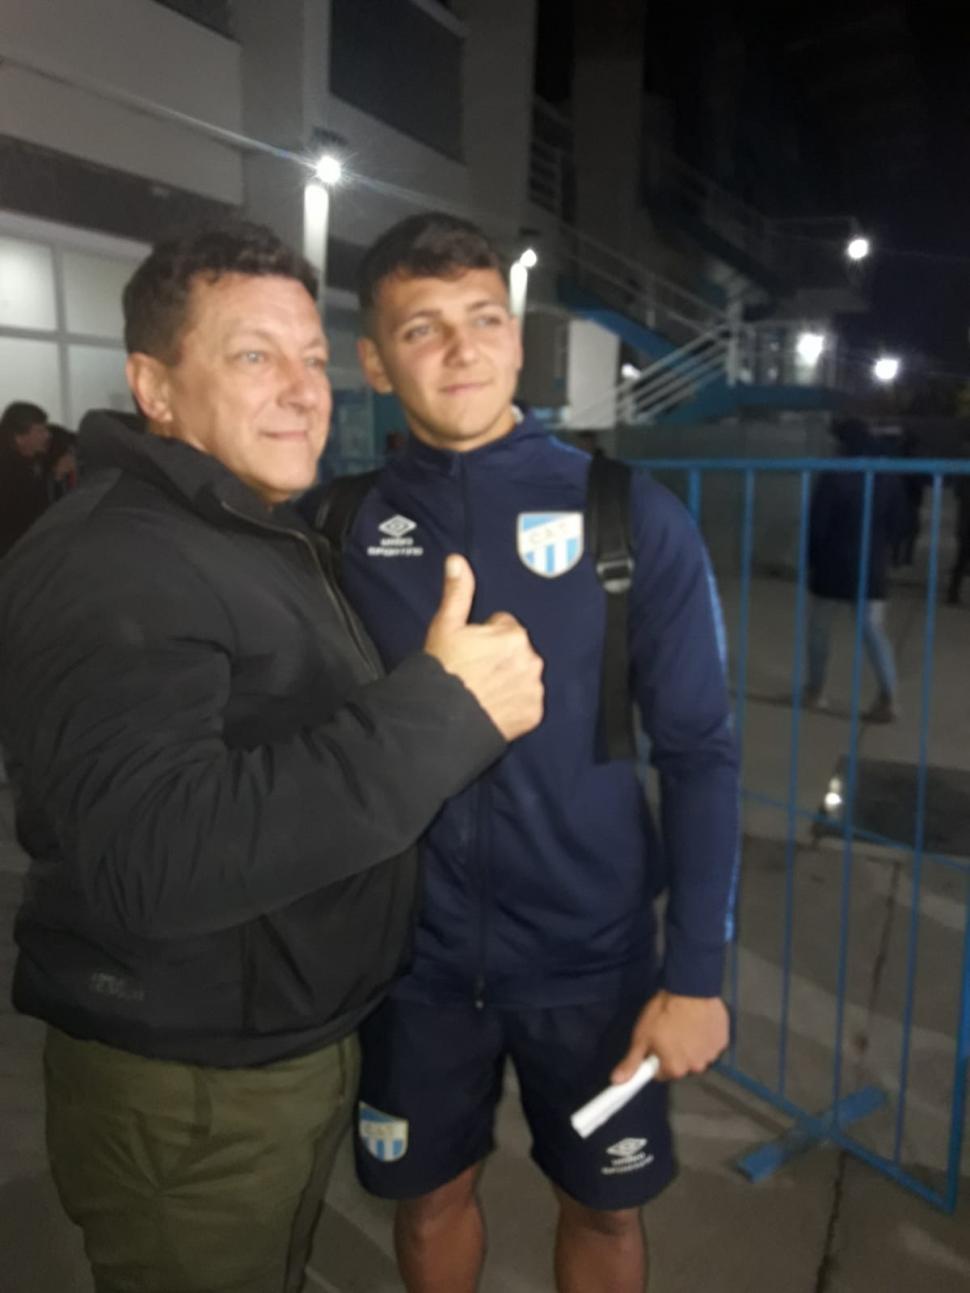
96 379
26 285
60 317
31 371
399 64
92 293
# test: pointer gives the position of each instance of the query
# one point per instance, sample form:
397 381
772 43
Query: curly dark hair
156 297
431 245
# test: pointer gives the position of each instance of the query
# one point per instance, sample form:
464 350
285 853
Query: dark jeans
195 1180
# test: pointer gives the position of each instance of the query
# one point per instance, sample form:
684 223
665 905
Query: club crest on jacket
549 543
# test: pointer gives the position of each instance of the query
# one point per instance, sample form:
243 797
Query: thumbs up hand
494 660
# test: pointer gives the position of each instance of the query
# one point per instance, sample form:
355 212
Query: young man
535 941
218 786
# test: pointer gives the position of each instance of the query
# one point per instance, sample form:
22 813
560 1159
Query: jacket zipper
479 853
333 593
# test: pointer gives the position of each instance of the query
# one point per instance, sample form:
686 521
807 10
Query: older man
219 786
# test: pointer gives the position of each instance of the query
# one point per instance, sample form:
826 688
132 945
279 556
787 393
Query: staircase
728 227
703 360
673 380
631 288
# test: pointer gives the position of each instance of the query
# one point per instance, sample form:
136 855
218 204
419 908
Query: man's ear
373 366
149 382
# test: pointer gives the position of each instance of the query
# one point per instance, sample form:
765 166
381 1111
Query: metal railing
768 355
668 382
547 177
631 287
551 167
735 220
852 1041
895 1098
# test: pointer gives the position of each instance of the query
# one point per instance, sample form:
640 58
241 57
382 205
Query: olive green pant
195 1180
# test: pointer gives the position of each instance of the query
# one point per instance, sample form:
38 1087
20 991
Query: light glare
810 347
858 248
886 369
329 169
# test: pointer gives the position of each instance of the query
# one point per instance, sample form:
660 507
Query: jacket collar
107 442
524 438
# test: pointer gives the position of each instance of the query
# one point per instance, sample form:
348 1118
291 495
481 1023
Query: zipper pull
480 992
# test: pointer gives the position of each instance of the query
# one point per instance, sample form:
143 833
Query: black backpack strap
335 509
608 538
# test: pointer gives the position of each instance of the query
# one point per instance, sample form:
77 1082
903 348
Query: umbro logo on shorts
627 1155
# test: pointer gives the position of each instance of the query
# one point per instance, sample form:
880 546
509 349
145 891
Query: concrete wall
545 336
499 56
285 80
284 62
607 106
593 358
128 46
70 65
403 176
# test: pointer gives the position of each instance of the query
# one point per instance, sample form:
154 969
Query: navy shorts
432 1077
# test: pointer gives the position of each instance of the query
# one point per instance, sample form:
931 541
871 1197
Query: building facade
125 119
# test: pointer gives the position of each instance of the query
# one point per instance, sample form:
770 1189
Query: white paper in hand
602 1107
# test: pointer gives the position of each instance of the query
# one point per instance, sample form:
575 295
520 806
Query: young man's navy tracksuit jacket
539 878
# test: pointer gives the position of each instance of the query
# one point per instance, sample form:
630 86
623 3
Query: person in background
961 564
591 443
61 462
25 439
913 488
835 538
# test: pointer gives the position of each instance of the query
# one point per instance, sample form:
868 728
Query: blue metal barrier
836 1110
891 1096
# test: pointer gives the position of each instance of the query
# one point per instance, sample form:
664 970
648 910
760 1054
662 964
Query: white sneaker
813 699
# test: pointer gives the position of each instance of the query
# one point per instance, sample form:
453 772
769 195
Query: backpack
607 522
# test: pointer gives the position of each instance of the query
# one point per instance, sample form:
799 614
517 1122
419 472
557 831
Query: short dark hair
156 297
430 245
17 419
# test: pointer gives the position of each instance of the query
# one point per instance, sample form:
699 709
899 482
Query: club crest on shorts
549 543
383 1136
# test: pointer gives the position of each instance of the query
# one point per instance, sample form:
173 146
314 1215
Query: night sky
855 107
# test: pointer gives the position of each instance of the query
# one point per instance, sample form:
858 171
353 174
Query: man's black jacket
215 781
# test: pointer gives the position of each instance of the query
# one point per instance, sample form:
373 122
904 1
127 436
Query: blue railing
936 1182
769 1073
